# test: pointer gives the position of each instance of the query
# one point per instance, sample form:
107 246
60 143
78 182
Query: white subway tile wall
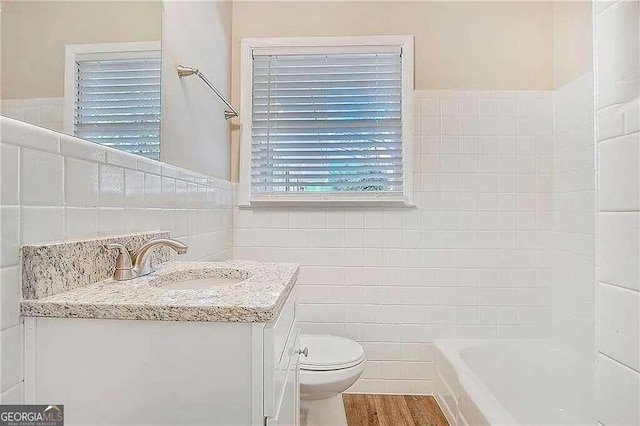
617 36
44 112
574 217
56 187
473 259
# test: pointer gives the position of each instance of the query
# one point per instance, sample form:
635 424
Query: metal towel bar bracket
186 71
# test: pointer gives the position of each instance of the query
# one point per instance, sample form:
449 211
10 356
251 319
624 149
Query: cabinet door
279 340
289 412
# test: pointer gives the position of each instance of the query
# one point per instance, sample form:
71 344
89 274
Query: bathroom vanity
222 350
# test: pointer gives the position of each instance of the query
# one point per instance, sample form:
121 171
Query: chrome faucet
138 263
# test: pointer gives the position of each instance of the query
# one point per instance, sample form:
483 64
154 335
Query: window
112 96
326 120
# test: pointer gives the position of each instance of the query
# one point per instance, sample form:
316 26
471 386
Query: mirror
88 69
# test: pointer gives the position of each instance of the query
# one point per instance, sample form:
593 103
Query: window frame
97 52
360 199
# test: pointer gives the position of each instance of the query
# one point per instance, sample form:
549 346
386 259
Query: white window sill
327 201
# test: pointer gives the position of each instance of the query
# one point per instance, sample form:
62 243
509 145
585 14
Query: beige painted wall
461 45
474 45
572 40
34 34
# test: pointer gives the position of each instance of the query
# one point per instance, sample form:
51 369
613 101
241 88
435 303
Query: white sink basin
200 279
200 284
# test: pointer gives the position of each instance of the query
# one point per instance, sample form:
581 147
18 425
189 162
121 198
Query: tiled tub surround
617 41
472 260
258 297
574 218
49 269
57 188
553 380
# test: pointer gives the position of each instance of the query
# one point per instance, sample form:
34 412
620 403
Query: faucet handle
124 258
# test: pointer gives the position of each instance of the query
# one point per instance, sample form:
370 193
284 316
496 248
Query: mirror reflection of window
112 96
41 86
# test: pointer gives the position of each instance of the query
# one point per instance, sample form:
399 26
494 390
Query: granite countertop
257 298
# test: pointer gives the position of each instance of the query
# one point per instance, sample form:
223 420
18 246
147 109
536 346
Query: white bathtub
513 382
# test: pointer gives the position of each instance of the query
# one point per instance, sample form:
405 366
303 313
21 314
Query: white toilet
333 364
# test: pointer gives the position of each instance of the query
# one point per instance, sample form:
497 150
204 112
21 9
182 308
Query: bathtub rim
480 395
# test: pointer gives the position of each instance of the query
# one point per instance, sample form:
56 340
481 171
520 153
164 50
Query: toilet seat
329 353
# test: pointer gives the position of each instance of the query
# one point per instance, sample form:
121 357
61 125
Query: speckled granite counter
257 298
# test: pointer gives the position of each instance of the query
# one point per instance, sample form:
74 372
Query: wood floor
392 410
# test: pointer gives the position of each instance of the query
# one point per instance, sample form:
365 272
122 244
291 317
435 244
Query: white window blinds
327 122
117 104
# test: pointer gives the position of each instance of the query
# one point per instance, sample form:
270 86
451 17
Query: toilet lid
328 352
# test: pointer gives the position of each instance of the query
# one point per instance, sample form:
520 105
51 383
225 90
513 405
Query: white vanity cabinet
138 372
